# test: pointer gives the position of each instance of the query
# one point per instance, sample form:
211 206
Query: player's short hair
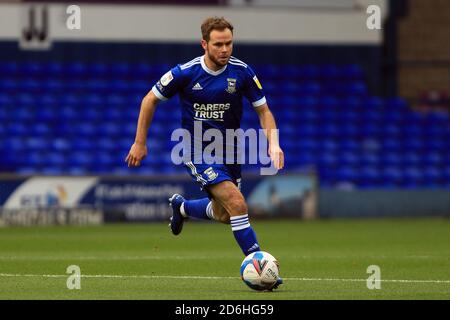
214 23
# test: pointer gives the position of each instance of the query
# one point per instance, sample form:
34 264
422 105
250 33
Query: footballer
211 89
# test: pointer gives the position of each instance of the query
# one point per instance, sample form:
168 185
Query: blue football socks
200 209
244 234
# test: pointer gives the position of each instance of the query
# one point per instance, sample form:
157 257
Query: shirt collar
211 72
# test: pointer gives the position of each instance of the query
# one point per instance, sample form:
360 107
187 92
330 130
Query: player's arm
138 150
269 125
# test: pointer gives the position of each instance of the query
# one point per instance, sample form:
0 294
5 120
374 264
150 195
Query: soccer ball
259 271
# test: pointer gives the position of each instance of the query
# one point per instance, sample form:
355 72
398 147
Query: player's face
219 47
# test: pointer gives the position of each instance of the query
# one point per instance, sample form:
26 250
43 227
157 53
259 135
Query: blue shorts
209 174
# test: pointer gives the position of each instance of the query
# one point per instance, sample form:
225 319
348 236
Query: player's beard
217 62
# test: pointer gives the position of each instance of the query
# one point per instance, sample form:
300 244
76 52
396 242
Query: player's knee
225 218
238 207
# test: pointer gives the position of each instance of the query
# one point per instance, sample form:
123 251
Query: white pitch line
109 258
209 278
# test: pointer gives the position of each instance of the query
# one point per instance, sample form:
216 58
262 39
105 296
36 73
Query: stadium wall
383 203
145 33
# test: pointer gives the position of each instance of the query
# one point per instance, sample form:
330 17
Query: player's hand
277 157
137 153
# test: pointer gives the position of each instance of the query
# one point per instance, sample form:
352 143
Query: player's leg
227 194
206 209
200 209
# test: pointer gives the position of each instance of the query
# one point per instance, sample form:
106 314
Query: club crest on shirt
211 174
231 85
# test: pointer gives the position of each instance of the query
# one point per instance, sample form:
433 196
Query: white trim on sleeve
158 94
260 102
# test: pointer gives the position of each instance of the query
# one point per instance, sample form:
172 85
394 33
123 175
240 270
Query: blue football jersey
213 97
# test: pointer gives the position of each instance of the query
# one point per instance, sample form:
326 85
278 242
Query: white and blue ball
260 270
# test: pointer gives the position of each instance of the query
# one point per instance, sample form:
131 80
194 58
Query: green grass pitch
323 259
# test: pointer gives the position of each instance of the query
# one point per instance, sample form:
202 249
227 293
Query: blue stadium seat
30 85
309 88
369 176
413 130
370 129
390 145
356 88
37 144
8 68
98 69
328 102
432 159
349 145
328 116
53 68
84 144
75 69
352 103
17 129
56 160
309 72
141 69
432 177
327 159
15 144
114 114
411 159
52 171
36 159
5 101
107 143
413 144
291 72
267 71
22 115
80 159
396 104
392 116
348 159
413 176
352 72
48 100
97 86
120 70
374 103
347 174
67 114
61 144
53 86
88 129
370 159
393 174
392 158
9 85
93 114
31 68
348 116
76 170
329 72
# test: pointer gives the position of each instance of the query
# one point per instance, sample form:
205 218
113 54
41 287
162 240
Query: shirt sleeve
253 90
169 84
